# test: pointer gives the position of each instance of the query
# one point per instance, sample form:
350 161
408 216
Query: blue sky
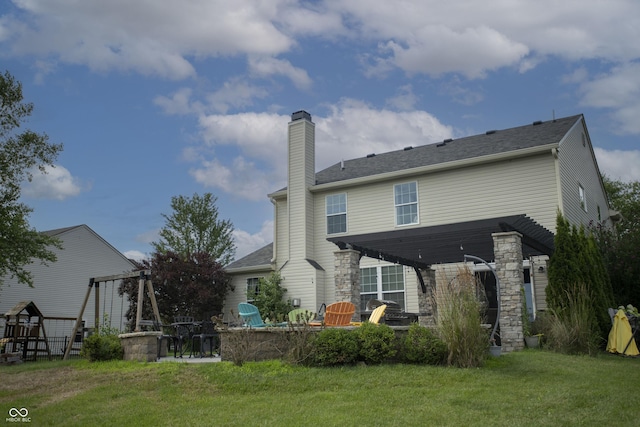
154 99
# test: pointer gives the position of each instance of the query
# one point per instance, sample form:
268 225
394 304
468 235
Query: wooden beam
122 276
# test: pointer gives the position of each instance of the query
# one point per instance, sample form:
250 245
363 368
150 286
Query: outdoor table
184 334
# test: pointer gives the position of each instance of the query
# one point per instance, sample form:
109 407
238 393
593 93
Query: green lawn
535 388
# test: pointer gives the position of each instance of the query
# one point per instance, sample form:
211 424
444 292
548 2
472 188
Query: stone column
507 249
425 299
347 278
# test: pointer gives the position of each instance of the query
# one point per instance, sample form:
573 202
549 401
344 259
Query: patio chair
251 316
375 315
338 314
300 316
207 333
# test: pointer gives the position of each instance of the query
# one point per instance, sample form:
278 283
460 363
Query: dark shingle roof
262 256
490 143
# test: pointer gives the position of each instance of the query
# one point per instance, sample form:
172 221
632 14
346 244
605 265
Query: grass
528 388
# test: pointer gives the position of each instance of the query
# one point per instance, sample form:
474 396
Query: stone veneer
425 302
347 278
507 249
140 346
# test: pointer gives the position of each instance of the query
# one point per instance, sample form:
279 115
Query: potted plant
531 336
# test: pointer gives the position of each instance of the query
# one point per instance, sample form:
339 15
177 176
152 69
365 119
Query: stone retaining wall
255 344
140 346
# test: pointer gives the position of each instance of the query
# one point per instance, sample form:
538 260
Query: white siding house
529 172
60 288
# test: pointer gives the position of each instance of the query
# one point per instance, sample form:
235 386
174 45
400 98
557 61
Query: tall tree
577 263
187 287
194 227
20 153
620 247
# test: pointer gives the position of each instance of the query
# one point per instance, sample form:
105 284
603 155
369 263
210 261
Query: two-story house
421 207
60 288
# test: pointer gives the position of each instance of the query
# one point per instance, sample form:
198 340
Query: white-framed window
336 213
583 197
384 282
406 203
253 288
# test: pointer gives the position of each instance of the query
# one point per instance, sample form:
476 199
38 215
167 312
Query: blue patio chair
251 316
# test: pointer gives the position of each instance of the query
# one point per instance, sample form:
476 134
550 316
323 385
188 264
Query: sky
160 98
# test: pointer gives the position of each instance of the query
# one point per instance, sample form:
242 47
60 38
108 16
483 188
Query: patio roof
425 246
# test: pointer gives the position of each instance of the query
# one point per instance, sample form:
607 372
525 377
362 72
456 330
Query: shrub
301 344
421 345
376 342
335 346
103 345
459 319
573 329
270 299
99 347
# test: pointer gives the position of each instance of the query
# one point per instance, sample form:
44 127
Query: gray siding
60 288
578 167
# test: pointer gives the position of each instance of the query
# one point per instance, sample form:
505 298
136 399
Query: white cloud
405 99
619 164
179 103
352 129
241 179
267 66
136 255
438 49
247 242
149 37
236 92
56 183
618 90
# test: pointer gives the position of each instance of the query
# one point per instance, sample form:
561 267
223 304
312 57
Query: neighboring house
61 287
422 207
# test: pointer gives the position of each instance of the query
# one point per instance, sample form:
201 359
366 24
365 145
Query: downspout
555 154
275 230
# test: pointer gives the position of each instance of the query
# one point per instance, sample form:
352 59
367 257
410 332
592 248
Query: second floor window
583 198
406 203
336 213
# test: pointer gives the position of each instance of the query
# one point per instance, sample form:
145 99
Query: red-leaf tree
194 286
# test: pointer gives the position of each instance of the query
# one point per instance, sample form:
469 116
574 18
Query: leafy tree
20 152
620 246
270 298
187 287
194 227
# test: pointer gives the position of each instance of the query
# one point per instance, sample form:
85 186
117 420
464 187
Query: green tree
194 227
564 269
20 153
620 246
577 262
270 298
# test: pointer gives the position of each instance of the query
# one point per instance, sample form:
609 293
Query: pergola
439 244
505 240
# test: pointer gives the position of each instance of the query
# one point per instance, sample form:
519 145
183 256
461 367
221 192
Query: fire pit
393 315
